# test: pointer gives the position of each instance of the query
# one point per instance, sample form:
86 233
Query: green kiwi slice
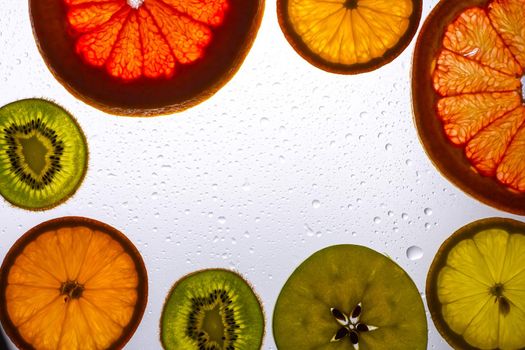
43 154
212 309
349 297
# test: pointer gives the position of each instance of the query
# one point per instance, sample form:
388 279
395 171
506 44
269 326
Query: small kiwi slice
43 154
349 297
212 309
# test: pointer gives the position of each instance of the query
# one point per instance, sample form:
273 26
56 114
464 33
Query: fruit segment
464 116
507 17
456 75
143 42
511 171
487 148
473 37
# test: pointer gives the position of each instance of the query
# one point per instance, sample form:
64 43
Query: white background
285 160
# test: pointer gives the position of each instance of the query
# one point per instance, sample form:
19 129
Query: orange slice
349 36
144 57
72 283
468 97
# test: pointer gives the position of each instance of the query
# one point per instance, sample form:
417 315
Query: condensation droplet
428 211
264 122
377 220
316 204
388 146
414 252
222 220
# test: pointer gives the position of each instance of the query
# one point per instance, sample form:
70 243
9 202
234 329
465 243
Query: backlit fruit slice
212 309
349 297
476 286
467 89
43 154
349 36
72 283
144 57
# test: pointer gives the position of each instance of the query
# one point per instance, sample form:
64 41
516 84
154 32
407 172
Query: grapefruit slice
467 87
72 283
349 36
144 57
476 286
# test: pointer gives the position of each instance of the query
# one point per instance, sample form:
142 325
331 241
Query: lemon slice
476 286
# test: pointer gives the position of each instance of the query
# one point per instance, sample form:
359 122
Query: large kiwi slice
476 286
349 297
43 154
212 310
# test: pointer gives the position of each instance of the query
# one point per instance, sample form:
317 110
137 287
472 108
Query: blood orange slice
72 283
468 97
144 57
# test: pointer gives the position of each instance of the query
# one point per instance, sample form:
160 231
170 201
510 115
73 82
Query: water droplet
246 186
222 220
264 122
377 220
414 252
428 211
404 216
316 204
388 147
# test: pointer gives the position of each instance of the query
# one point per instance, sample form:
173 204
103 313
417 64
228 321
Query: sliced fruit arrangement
349 297
468 97
43 154
72 283
476 286
212 309
349 36
144 57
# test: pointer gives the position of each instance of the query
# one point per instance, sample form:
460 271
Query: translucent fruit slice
468 97
212 309
72 283
43 154
349 36
349 297
476 285
144 57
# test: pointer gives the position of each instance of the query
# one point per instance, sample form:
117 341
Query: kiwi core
213 325
34 152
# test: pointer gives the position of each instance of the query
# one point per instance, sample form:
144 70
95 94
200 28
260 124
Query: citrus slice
349 36
144 57
476 286
72 283
467 88
349 297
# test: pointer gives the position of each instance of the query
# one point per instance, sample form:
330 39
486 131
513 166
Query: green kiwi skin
357 274
170 308
37 208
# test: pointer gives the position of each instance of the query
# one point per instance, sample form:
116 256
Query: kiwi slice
212 310
476 286
43 154
349 297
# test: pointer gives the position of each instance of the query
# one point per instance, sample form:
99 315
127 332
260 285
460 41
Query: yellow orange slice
72 283
468 97
349 36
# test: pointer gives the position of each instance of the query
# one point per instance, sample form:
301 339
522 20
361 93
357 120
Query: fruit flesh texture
347 34
149 41
247 312
341 277
477 73
48 319
466 289
43 154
